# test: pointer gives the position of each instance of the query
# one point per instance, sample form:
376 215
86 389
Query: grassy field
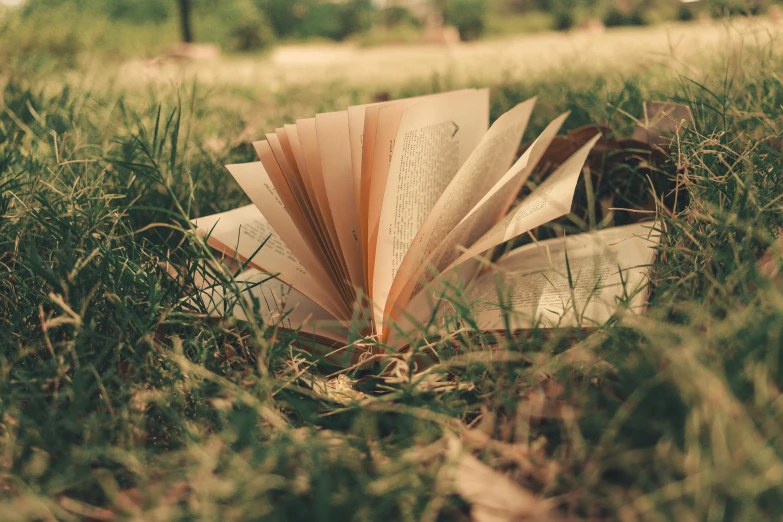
118 401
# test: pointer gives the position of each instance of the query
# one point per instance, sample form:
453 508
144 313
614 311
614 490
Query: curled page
334 145
486 213
254 180
382 124
240 234
576 281
356 128
308 138
434 140
551 200
287 194
579 280
387 123
289 143
485 166
283 307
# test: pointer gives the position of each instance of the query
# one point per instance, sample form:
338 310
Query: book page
485 166
530 285
356 131
334 145
283 153
486 213
292 138
255 181
308 138
356 126
360 123
274 172
368 152
280 306
375 173
434 140
333 255
291 195
574 281
240 232
389 118
551 200
387 122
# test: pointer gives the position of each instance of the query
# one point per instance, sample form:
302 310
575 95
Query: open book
370 217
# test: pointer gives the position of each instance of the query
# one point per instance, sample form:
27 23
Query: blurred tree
185 21
468 16
317 19
137 12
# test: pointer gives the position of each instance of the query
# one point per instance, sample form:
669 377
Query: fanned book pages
363 220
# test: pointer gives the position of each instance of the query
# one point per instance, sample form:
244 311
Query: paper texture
434 140
289 139
334 145
280 306
484 168
530 286
567 282
308 138
551 200
256 183
240 232
485 214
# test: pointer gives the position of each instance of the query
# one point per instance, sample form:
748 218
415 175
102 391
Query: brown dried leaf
493 496
769 264
661 121
86 510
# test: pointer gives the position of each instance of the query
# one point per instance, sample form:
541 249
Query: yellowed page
278 305
434 140
284 191
371 115
308 137
486 213
356 132
359 125
389 117
551 200
386 120
292 138
496 203
485 166
529 286
356 119
334 145
255 181
281 146
292 134
240 232
292 177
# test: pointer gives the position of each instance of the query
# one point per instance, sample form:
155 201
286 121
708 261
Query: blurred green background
65 29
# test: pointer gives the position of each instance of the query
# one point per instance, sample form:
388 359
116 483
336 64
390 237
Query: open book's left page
245 234
253 179
283 310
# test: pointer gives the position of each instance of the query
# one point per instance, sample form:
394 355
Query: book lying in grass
371 219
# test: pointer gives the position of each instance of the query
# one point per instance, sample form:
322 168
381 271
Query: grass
118 401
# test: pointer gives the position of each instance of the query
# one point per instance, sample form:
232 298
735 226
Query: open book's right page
531 286
552 199
574 281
